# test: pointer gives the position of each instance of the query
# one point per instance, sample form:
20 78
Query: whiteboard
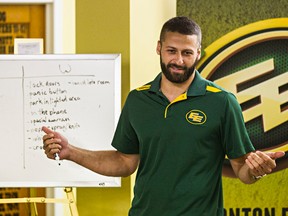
76 95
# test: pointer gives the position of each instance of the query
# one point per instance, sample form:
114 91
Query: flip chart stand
70 200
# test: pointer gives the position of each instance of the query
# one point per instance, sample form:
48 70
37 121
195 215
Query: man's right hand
54 142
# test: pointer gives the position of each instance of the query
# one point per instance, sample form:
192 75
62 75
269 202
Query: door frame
59 24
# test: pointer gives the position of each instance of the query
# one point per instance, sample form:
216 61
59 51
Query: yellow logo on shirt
196 117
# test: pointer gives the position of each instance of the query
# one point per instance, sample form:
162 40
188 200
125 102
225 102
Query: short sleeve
236 138
125 139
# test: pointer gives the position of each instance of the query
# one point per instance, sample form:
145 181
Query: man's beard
175 77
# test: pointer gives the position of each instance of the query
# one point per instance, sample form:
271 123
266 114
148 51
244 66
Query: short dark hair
182 25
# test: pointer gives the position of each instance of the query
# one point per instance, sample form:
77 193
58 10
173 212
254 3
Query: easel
70 200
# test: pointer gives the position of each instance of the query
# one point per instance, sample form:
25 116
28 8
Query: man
176 130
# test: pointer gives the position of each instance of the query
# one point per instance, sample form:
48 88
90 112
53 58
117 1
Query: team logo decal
196 117
251 62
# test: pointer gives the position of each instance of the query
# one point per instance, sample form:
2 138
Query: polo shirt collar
197 87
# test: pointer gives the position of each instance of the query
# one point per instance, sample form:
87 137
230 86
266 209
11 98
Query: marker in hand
57 158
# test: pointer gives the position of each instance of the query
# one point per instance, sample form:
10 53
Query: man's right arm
109 163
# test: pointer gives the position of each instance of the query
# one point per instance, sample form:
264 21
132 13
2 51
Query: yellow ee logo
196 117
251 62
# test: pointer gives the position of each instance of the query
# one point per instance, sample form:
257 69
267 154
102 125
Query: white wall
146 20
66 11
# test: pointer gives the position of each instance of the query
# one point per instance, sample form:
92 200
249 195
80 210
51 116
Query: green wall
218 18
103 27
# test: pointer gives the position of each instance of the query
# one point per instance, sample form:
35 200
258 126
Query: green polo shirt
182 146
